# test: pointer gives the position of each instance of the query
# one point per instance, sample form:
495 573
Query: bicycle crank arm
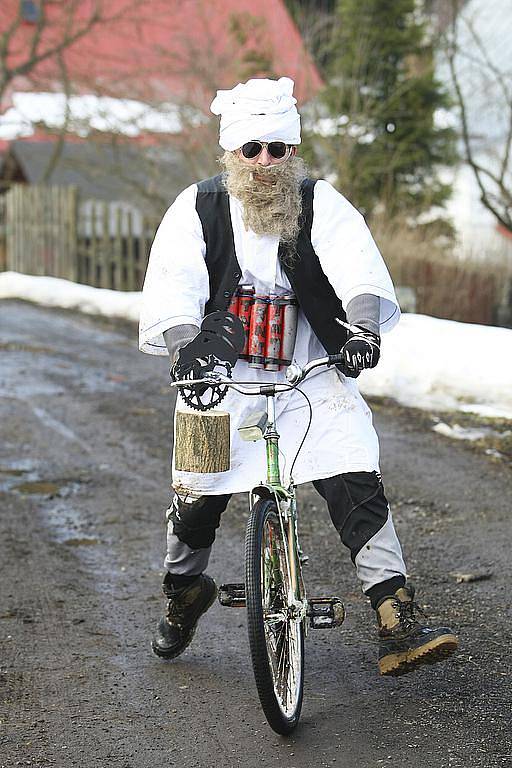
232 595
325 612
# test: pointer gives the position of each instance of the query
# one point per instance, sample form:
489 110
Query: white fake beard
270 195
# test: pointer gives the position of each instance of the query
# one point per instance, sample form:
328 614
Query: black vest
314 292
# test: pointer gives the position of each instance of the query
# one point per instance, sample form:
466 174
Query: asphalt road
84 482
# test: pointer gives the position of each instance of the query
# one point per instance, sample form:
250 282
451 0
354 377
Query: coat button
227 294
237 274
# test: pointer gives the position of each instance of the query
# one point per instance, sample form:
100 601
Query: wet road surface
84 482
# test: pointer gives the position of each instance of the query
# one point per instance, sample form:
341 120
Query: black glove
195 369
220 340
362 350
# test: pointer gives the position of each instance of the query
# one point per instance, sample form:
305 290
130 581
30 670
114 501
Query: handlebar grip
335 359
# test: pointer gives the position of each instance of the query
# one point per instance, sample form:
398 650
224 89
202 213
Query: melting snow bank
456 432
495 442
440 364
425 363
54 292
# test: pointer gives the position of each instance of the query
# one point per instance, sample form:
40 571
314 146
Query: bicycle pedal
325 612
232 595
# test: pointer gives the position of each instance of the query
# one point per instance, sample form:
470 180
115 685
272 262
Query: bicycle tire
266 590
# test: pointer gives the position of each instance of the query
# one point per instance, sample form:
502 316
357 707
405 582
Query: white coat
176 288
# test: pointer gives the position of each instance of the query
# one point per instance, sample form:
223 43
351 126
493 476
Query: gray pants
358 509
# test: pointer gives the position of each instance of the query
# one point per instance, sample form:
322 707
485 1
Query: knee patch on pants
357 505
195 523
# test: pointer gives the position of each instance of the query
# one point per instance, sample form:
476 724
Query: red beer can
233 304
258 332
245 300
290 315
274 334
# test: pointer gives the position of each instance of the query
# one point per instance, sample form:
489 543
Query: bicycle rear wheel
276 632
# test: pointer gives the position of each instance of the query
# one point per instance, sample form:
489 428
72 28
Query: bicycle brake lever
352 328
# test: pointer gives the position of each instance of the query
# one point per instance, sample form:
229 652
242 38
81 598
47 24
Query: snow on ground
426 362
440 364
54 292
456 432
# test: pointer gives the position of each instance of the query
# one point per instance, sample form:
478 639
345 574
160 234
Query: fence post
92 274
117 266
130 253
3 233
71 242
105 248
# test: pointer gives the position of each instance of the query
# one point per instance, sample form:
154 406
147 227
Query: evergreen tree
378 141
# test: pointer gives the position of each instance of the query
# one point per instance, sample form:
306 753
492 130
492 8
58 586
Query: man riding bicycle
264 225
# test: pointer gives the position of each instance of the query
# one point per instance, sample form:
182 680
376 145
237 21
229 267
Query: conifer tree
377 138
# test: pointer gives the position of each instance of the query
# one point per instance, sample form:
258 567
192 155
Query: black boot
176 629
404 643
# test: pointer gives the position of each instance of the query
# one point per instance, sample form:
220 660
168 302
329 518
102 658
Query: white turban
258 109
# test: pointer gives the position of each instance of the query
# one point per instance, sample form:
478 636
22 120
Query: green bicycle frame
283 495
272 447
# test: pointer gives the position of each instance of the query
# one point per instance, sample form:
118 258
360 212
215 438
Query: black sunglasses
276 149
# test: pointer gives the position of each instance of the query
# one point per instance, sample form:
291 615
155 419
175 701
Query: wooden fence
41 230
113 247
49 231
3 244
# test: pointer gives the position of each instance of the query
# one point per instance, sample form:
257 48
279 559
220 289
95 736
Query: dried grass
447 284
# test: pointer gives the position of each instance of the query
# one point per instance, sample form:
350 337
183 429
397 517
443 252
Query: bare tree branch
499 199
68 27
60 142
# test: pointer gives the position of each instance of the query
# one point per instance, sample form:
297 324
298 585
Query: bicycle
279 612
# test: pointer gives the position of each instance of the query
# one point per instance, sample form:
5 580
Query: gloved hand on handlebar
177 338
219 341
360 351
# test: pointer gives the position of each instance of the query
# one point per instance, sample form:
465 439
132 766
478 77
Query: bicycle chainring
204 397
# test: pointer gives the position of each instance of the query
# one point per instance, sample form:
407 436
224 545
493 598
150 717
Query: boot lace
175 613
407 613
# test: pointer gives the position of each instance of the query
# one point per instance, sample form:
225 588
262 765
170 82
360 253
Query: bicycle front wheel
276 632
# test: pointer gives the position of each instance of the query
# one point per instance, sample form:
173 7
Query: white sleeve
176 286
348 254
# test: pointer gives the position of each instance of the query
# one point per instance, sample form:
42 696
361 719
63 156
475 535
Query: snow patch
425 362
456 432
54 292
444 365
87 113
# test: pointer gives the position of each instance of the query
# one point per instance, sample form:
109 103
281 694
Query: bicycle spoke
281 617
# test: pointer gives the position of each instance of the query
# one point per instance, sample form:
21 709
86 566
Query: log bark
202 442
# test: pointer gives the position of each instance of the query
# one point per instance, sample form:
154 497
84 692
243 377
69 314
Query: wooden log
202 441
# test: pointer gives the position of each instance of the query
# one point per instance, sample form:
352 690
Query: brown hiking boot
176 629
404 643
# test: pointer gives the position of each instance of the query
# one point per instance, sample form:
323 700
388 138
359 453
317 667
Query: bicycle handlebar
294 376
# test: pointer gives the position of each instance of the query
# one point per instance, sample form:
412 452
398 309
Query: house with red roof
121 89
163 54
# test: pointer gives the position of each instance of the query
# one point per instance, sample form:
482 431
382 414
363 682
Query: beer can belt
270 324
